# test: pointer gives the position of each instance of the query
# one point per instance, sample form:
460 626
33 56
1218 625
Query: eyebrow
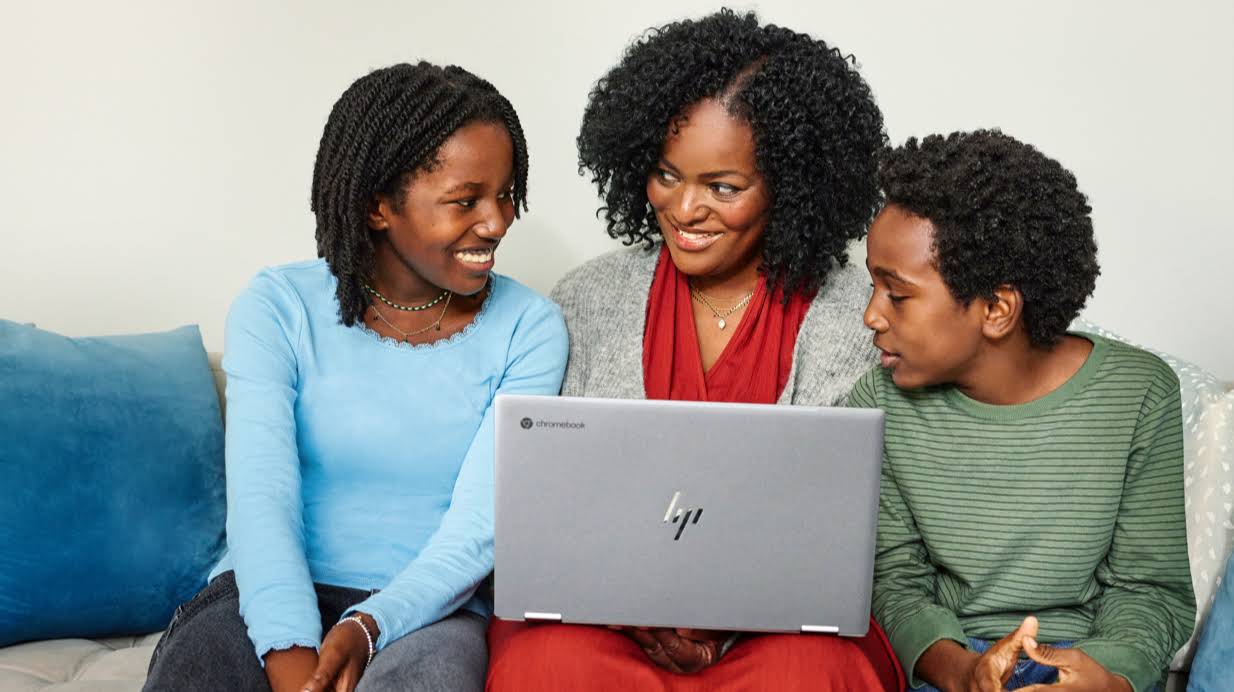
709 175
890 274
463 186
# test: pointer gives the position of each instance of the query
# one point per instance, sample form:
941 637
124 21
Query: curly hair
817 133
1003 214
386 126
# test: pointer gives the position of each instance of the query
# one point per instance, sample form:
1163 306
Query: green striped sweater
1069 508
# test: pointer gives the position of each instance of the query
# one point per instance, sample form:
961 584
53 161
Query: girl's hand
287 669
343 657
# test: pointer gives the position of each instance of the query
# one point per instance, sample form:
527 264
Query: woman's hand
1077 671
678 650
344 655
287 669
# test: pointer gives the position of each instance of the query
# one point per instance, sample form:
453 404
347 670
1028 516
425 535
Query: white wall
154 155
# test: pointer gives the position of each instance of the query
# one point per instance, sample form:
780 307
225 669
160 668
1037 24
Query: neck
730 286
1013 371
397 281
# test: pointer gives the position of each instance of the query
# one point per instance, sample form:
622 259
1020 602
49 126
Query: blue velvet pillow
112 497
1211 670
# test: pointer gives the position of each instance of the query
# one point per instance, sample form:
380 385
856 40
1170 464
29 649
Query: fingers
1049 655
652 647
329 664
687 654
704 635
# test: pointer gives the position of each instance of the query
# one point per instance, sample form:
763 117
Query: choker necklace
721 314
406 336
405 308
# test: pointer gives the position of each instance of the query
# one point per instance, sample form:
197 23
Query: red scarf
754 366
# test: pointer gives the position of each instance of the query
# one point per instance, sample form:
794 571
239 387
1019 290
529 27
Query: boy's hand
993 668
1077 671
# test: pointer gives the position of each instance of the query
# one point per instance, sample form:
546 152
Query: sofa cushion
1208 479
113 503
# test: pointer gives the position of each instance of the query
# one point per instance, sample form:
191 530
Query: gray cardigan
605 305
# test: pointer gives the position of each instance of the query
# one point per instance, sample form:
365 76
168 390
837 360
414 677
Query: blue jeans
1026 672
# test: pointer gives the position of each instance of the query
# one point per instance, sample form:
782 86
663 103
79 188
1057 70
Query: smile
475 257
693 241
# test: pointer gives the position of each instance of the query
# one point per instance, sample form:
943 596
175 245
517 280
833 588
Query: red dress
753 368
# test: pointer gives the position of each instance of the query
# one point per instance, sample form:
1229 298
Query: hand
287 669
678 650
1077 671
993 669
344 653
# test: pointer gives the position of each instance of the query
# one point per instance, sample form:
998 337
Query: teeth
476 257
696 236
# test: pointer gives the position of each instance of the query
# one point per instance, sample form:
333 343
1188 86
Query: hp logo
682 515
526 423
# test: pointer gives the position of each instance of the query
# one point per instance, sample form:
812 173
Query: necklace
721 314
405 308
406 336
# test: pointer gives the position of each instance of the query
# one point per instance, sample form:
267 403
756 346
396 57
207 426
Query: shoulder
296 283
512 297
532 319
1132 368
612 272
847 286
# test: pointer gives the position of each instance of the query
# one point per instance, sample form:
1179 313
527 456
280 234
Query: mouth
479 259
693 240
887 359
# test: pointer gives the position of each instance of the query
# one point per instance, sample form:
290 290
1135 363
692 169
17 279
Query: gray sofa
119 664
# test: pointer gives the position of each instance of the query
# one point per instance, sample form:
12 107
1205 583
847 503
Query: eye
466 202
895 299
724 190
506 194
665 176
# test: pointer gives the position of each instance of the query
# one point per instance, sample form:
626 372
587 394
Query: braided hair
388 125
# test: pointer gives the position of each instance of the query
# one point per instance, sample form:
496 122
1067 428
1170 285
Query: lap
550 656
448 655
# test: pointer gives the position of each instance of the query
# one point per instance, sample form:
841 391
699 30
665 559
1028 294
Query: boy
1032 486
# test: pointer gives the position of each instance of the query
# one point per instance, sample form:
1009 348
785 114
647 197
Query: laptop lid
683 514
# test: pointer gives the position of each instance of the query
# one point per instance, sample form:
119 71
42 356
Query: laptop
683 514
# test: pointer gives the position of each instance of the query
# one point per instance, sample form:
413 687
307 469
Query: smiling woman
740 158
359 418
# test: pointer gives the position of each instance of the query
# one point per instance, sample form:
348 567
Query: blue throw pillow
112 496
1211 670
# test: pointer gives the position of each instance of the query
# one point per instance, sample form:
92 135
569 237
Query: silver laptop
680 514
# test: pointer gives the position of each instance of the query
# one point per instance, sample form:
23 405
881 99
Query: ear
379 214
1002 313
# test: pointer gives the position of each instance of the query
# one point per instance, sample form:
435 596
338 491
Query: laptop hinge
825 629
554 617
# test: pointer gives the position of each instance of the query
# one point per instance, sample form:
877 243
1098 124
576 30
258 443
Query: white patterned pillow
1208 476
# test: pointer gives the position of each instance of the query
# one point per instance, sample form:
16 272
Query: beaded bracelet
367 635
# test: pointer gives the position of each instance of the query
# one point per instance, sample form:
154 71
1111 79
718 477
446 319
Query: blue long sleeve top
359 461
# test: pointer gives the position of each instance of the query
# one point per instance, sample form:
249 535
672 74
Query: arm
264 534
459 555
567 295
904 580
1147 609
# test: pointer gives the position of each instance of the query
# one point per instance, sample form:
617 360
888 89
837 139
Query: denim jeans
206 647
1027 671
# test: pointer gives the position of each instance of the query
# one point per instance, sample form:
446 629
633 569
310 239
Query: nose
874 319
691 208
494 224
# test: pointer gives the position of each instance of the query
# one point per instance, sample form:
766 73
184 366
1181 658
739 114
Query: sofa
118 664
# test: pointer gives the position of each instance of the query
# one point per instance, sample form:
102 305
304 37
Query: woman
741 159
359 397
